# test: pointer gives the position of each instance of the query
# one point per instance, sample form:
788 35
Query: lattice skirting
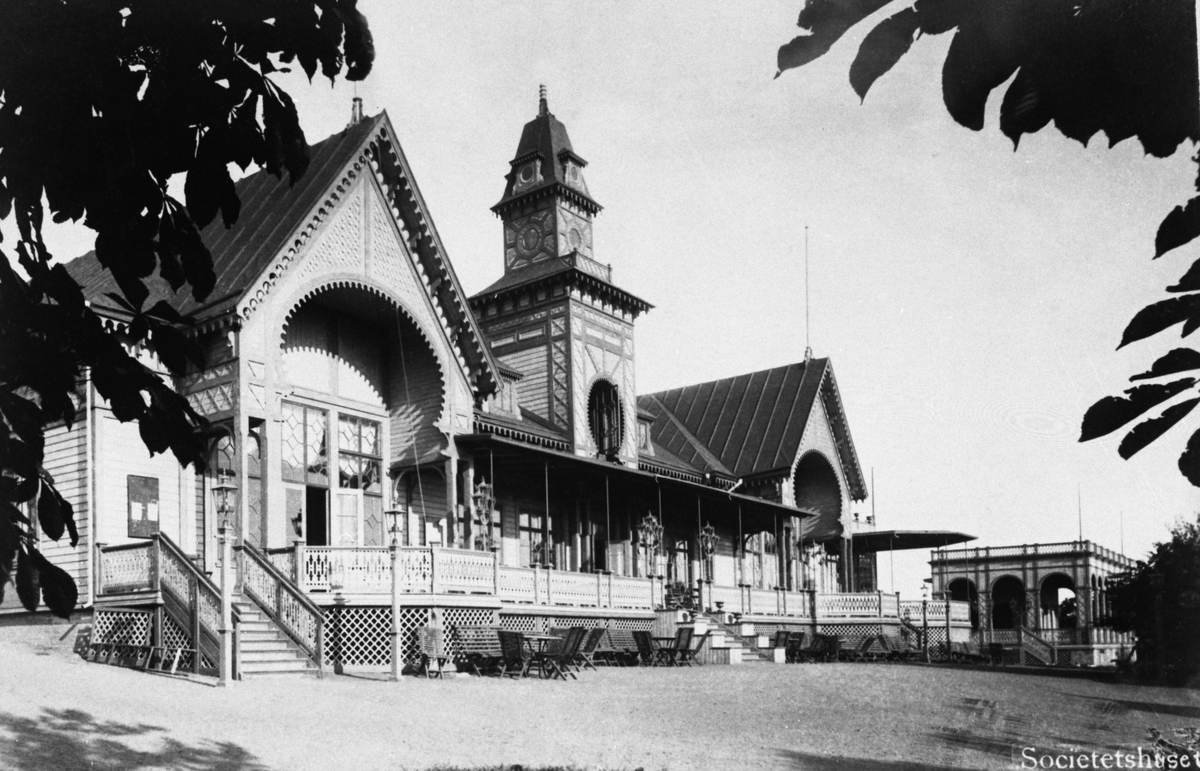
359 636
173 636
543 624
126 627
853 633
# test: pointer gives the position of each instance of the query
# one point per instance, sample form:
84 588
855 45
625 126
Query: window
530 533
304 452
604 418
360 462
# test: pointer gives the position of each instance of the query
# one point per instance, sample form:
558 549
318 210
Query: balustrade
465 572
126 568
302 620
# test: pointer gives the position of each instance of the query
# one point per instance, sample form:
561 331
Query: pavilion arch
964 590
1058 602
1008 602
816 487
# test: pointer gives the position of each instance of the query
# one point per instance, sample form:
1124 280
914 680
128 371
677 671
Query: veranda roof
623 475
899 540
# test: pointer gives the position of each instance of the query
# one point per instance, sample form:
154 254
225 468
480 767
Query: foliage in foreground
1127 68
1166 584
101 103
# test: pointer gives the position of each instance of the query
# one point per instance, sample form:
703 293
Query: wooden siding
533 389
119 454
415 401
66 458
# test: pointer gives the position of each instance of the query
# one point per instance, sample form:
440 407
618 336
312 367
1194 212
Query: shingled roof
272 210
274 214
752 424
545 137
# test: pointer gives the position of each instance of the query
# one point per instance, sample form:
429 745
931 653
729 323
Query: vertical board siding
66 460
533 389
415 399
120 453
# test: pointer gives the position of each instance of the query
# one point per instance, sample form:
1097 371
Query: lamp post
224 493
393 517
485 503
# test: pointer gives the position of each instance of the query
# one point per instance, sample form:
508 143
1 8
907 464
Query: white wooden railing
436 570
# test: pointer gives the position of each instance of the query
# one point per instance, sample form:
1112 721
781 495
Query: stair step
265 645
295 665
262 657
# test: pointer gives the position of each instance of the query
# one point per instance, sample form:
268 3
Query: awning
899 540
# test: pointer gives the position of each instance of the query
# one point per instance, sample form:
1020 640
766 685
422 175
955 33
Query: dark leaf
1178 227
58 588
976 63
1178 360
1189 461
827 20
359 45
50 514
1112 412
881 49
28 589
1161 315
1025 109
1146 432
1190 281
23 416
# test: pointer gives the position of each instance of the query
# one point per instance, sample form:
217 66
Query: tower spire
542 108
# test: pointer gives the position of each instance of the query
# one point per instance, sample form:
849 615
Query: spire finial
542 108
356 111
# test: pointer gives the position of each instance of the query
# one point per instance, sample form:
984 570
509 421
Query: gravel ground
56 711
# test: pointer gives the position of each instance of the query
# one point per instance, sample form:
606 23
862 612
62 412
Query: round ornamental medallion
530 239
525 176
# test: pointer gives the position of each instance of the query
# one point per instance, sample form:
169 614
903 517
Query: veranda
337 606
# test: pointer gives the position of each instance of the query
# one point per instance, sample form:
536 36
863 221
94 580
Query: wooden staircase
751 653
263 648
1034 647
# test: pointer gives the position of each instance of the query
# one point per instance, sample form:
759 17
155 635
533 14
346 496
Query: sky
971 298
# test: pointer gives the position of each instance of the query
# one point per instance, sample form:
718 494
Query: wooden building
361 394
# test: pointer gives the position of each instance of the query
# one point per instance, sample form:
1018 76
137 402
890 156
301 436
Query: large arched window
604 418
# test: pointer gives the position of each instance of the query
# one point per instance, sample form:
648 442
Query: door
346 517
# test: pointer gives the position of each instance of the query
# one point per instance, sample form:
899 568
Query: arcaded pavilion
392 449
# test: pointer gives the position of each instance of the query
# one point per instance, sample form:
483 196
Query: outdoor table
540 641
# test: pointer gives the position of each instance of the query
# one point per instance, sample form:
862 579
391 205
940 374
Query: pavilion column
789 571
577 539
452 513
468 494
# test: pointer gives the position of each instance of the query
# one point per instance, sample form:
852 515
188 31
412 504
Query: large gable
751 424
276 220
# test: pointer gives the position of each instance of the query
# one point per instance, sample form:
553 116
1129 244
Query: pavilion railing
438 570
283 602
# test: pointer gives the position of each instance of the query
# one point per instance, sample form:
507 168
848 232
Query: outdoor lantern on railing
708 546
393 519
224 497
485 504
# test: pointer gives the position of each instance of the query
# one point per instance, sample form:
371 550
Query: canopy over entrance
899 540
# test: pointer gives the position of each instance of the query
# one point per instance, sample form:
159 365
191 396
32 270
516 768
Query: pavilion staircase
751 653
281 630
1034 647
264 648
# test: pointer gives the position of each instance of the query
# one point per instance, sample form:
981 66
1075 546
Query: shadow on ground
804 761
1155 708
71 738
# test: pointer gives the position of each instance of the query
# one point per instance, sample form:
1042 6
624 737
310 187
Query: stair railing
1035 646
173 572
283 602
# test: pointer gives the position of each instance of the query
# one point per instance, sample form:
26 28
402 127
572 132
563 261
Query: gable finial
542 108
356 110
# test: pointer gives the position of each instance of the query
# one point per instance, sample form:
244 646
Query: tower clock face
526 175
529 240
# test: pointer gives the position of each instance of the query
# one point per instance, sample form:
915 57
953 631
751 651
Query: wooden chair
688 655
647 652
619 648
515 657
795 651
559 662
432 643
781 639
587 651
826 647
668 655
480 648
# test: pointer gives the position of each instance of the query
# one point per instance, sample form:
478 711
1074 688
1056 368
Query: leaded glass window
304 453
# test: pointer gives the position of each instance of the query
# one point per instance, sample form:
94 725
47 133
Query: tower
555 316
